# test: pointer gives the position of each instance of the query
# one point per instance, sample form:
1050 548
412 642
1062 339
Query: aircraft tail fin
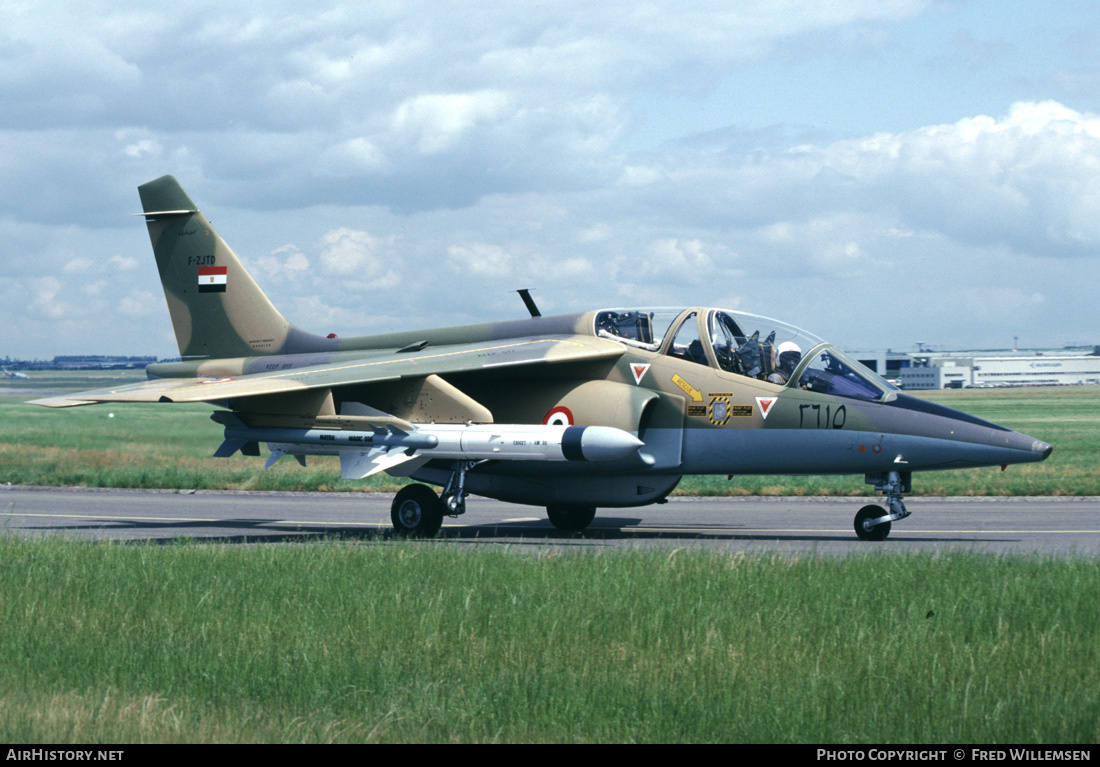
217 309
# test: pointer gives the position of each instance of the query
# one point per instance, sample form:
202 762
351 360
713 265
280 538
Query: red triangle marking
765 404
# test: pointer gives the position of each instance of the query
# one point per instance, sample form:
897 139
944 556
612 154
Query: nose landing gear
871 524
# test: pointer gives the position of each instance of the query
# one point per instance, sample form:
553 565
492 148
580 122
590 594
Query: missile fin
357 464
229 447
275 456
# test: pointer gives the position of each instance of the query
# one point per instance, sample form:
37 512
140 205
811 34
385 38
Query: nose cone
1028 448
598 443
1041 449
965 440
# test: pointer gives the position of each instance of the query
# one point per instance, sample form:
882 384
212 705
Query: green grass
138 446
171 447
404 642
424 642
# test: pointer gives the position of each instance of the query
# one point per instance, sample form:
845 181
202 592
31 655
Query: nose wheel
868 527
872 522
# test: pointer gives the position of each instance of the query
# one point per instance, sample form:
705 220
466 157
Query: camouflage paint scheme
694 406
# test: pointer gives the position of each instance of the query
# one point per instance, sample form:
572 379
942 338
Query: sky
878 172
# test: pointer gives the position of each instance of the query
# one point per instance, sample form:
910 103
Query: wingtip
60 402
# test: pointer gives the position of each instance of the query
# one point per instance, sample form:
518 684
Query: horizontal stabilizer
162 213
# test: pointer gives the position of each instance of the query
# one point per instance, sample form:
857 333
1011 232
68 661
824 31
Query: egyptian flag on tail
212 279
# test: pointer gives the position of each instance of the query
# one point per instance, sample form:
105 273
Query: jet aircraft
603 408
14 374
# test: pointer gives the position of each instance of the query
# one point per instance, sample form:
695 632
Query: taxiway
1050 526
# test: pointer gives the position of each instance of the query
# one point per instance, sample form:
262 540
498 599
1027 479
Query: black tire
876 533
416 511
571 519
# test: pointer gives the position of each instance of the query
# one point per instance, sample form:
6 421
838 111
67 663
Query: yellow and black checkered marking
720 411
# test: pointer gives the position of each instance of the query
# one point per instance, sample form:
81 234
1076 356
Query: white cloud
123 263
78 265
682 257
284 261
143 148
358 256
437 122
1030 178
481 260
353 157
296 262
140 303
567 269
47 300
406 99
500 149
348 251
93 288
992 303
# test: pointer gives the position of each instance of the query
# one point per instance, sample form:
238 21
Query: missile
514 442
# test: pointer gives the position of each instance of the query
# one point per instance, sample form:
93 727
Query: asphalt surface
821 525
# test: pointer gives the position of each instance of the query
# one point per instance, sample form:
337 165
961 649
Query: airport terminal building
956 370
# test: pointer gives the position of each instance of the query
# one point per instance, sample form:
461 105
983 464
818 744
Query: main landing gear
871 523
417 511
571 519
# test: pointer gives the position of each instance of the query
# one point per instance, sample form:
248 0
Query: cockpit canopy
746 345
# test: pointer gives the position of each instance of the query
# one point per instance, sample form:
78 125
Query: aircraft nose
1042 448
980 442
1028 448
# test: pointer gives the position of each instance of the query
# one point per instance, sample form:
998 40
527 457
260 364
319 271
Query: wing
392 366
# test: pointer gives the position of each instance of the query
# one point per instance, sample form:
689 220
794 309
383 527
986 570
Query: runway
1062 526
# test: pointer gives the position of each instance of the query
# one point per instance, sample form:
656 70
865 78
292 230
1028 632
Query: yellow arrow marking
695 394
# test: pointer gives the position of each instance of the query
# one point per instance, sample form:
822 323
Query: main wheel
571 518
876 533
417 511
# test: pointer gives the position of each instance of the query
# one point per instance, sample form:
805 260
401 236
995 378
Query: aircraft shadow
169 533
610 529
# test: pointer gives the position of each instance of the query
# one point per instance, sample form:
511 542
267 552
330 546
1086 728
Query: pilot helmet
788 354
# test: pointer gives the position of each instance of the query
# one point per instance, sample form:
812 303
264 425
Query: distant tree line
81 361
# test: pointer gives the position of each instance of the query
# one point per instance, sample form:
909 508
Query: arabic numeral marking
834 419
